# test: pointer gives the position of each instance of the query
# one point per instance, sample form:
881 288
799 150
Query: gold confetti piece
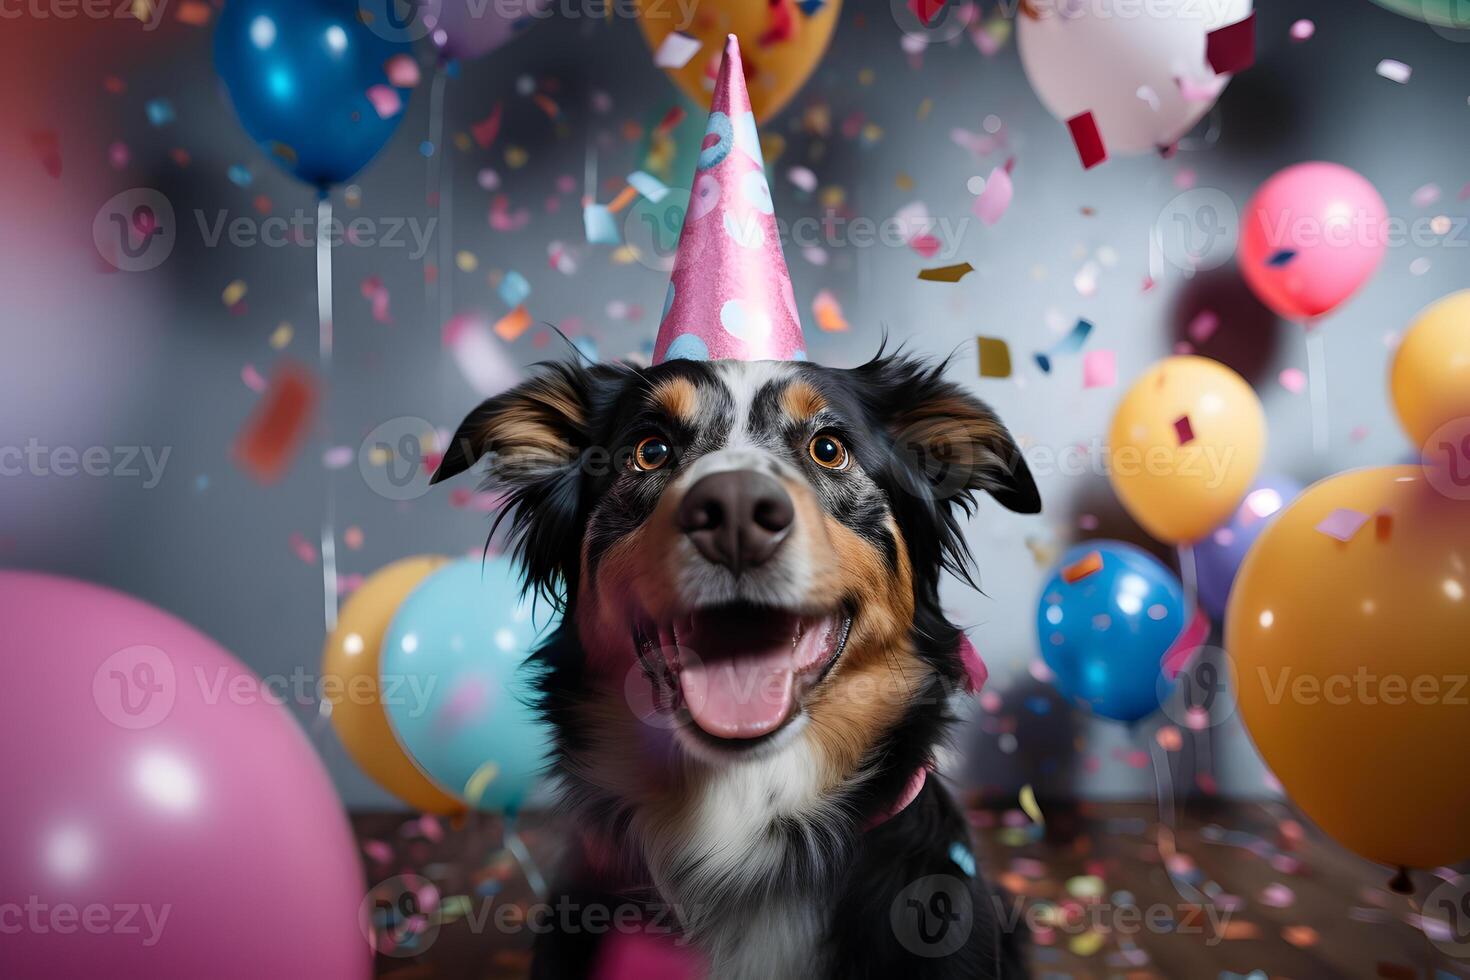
462 142
234 292
924 109
624 255
515 157
904 182
466 261
281 336
866 76
947 273
872 133
1086 944
142 10
1085 886
1029 807
832 197
480 781
772 146
995 357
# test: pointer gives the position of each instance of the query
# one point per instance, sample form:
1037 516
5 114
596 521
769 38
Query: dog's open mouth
740 671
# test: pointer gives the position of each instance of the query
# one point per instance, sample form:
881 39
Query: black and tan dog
753 668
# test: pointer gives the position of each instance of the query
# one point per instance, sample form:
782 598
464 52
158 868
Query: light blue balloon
1104 635
454 686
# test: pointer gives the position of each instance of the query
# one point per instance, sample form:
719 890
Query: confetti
1394 71
600 226
1293 380
488 128
1303 30
386 101
947 273
995 357
480 357
1099 369
1425 196
1029 806
513 324
993 201
272 436
1183 430
802 178
1088 140
281 336
160 112
1203 326
514 289
828 312
1088 564
375 292
1277 896
1232 48
675 50
402 71
1070 344
1280 258
233 293
1343 523
648 185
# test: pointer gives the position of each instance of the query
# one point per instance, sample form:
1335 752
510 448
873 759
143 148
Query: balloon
1145 79
1350 662
1431 371
1106 633
1311 236
1218 555
299 74
1186 441
1439 13
164 816
351 659
776 66
471 28
458 644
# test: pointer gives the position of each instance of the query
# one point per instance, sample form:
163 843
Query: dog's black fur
858 874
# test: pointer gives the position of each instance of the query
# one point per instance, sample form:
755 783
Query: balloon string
522 854
1164 788
1317 376
434 291
1189 575
324 354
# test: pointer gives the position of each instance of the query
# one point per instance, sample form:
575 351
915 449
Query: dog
753 671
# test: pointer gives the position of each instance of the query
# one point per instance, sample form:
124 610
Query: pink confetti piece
1185 179
375 292
338 457
378 851
386 101
252 378
802 178
1394 71
1343 523
1425 196
1303 30
1203 326
1293 380
1099 369
1277 896
303 548
1202 89
992 203
1183 430
402 70
118 155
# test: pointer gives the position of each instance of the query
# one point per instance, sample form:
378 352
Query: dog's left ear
951 441
535 435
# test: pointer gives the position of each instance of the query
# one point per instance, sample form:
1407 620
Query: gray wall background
94 357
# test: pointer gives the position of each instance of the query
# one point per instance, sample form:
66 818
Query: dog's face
757 544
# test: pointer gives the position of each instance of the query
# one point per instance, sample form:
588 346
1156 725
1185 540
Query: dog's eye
651 454
828 451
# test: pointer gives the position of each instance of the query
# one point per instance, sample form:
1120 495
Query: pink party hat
730 295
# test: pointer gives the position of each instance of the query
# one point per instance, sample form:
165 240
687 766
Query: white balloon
1137 65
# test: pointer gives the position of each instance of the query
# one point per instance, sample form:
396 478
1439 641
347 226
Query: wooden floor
1246 893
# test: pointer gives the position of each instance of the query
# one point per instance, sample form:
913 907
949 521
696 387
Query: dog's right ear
535 435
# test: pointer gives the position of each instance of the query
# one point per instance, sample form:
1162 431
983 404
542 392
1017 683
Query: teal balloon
1453 14
455 684
1105 635
298 73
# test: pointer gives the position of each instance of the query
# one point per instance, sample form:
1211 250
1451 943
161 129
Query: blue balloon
1105 634
454 687
298 73
1217 558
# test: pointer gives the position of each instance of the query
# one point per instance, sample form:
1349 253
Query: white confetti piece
1394 71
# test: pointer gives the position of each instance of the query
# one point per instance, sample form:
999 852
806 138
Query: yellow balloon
350 664
1430 378
1185 444
774 71
1351 658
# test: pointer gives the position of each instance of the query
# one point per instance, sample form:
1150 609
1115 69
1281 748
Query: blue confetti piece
426 148
601 228
514 289
1038 705
239 176
1280 258
963 859
810 7
160 112
648 185
587 347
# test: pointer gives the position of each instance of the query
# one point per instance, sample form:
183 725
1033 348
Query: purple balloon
471 28
164 816
1217 558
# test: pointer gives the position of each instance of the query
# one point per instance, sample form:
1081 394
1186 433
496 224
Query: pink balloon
162 815
1311 237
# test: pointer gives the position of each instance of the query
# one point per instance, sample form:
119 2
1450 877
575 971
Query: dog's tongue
740 681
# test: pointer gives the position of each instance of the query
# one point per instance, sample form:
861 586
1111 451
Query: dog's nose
737 518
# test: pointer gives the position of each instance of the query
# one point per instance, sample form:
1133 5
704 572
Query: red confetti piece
1232 48
1184 430
488 128
1088 139
780 23
271 438
925 10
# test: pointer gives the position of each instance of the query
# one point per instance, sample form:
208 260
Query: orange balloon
350 664
1351 661
1430 379
1185 444
779 44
